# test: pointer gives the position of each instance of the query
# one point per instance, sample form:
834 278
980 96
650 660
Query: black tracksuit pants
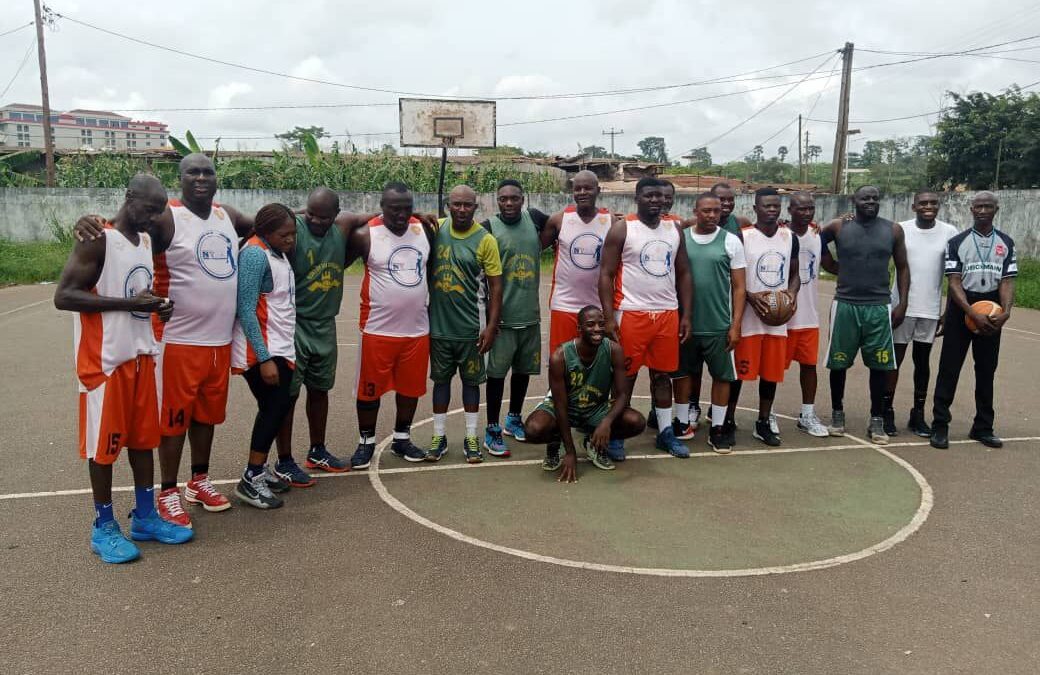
985 351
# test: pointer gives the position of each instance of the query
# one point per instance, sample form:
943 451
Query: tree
594 151
500 151
813 152
700 158
757 155
294 137
651 149
782 152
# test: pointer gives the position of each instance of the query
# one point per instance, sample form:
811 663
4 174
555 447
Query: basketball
780 309
987 307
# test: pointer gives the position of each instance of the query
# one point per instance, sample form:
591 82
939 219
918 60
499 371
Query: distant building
21 127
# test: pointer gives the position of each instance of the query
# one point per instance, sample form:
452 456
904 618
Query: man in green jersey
518 346
465 255
729 221
583 372
717 265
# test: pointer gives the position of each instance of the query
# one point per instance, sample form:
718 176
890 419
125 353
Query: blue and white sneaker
109 543
438 448
471 450
362 457
514 427
616 450
493 441
154 528
319 458
289 471
406 450
667 442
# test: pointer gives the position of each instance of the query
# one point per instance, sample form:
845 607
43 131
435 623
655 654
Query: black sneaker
917 425
552 459
406 450
987 438
362 457
940 436
889 420
718 439
651 419
274 483
764 433
254 491
729 427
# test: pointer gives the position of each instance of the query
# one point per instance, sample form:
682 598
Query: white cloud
222 96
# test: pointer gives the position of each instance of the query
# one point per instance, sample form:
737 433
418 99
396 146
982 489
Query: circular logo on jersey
656 258
406 266
586 250
770 269
138 279
216 255
807 268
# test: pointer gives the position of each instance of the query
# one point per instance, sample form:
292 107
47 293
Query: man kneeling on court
582 372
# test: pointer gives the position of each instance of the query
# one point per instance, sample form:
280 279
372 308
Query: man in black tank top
861 316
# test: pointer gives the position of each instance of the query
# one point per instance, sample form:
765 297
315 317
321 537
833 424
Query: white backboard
434 123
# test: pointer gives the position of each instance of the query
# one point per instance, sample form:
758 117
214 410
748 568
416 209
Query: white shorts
915 329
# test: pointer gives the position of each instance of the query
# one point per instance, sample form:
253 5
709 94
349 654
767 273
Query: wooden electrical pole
612 134
48 137
800 180
841 134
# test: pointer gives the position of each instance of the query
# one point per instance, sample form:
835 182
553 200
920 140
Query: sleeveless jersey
768 269
731 224
318 264
710 269
394 295
588 387
807 314
579 247
198 272
520 248
105 340
275 310
864 250
645 279
457 302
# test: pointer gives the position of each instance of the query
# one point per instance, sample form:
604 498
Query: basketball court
821 556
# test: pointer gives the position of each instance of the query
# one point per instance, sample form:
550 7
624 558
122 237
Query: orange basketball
987 307
780 309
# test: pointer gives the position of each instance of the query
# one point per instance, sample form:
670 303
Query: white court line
1019 330
18 309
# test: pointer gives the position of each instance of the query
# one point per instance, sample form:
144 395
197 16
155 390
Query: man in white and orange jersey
394 351
644 284
109 282
803 330
772 265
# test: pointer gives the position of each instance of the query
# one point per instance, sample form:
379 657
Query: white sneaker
812 425
774 426
695 416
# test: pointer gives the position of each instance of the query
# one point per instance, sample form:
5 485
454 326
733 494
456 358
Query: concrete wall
28 213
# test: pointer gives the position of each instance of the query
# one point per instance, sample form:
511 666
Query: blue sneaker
362 457
514 427
406 450
109 543
438 448
667 442
320 459
154 528
471 450
616 450
289 471
493 441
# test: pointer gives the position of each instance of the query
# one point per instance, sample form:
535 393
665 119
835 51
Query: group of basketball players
169 305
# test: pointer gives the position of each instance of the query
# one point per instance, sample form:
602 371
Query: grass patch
30 262
1027 285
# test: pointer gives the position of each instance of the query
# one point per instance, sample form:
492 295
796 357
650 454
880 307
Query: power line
21 65
15 30
777 133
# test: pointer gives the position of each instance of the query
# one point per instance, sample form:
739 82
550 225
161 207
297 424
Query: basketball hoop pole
440 181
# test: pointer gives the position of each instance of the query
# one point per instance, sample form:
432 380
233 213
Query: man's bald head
198 179
145 201
462 192
585 189
985 196
585 176
322 209
800 198
195 159
462 204
145 185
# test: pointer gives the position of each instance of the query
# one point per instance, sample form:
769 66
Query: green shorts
316 354
585 422
448 356
516 348
861 328
710 350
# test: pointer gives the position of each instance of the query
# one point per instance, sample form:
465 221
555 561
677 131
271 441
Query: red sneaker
200 491
170 508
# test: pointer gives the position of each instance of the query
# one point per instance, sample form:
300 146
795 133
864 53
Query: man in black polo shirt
980 265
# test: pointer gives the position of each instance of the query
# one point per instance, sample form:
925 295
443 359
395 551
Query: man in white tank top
109 282
644 281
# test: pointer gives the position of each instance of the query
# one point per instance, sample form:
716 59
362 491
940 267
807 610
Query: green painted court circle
761 512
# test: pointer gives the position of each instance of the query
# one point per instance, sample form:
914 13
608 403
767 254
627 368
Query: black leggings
273 403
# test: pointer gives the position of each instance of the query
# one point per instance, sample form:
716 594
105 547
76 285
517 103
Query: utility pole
1000 151
48 137
800 180
808 159
612 133
841 134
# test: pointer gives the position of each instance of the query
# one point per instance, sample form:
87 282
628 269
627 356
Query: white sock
367 439
440 421
472 419
682 411
664 417
718 415
401 435
807 409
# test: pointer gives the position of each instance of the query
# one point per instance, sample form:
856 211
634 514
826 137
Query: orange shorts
563 326
762 356
803 346
121 412
649 339
387 363
193 386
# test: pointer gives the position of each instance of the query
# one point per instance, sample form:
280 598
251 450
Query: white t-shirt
925 252
734 247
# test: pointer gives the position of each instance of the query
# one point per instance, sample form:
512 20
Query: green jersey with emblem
588 387
461 260
318 265
520 248
710 268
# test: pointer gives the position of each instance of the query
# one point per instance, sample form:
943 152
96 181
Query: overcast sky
477 49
